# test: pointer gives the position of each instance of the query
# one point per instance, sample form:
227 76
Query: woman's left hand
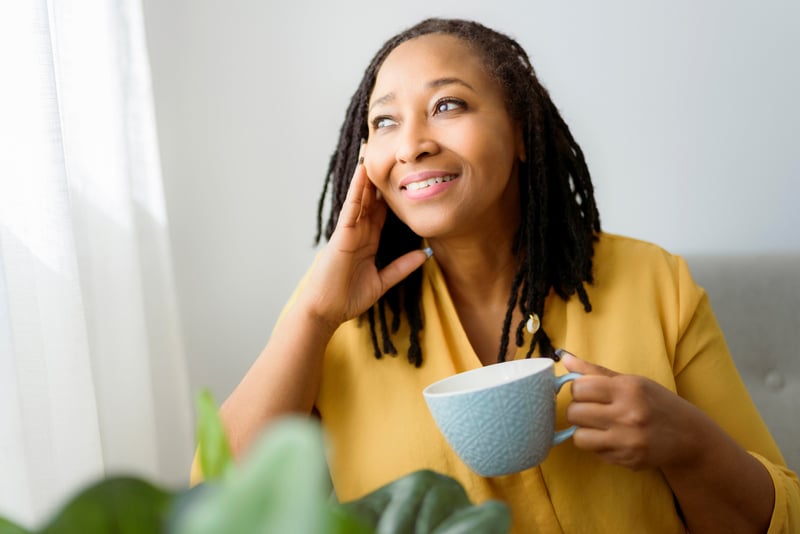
637 423
628 420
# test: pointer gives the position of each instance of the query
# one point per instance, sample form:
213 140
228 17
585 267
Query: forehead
430 57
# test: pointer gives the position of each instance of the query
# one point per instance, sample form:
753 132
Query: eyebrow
433 84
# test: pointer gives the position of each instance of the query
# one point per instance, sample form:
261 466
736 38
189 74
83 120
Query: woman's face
442 147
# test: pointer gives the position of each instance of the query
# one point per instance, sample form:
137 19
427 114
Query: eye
448 104
382 122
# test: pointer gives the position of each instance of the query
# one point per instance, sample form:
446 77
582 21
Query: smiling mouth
423 184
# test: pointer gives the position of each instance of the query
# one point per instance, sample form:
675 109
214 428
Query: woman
467 160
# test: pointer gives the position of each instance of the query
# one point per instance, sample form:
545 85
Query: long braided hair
560 221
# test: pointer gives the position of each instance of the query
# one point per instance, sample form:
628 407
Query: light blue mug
500 419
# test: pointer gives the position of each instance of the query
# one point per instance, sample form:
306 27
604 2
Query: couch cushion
757 302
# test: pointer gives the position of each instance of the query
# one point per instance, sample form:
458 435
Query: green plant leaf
491 517
7 527
212 442
428 502
281 486
122 505
340 520
183 503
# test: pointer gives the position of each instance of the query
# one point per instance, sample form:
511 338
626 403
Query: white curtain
92 371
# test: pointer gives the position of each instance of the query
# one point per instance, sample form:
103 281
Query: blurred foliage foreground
282 486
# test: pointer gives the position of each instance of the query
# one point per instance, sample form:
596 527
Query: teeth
414 186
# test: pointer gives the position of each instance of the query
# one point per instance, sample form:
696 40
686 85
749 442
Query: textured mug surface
499 419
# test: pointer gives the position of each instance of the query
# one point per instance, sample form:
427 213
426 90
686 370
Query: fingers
591 439
592 394
594 385
633 450
593 389
608 446
620 418
366 190
575 364
401 268
363 200
602 429
628 420
357 195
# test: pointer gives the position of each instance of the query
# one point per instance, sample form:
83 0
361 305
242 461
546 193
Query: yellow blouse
649 318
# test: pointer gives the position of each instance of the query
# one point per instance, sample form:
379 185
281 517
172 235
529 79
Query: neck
479 275
479 272
478 262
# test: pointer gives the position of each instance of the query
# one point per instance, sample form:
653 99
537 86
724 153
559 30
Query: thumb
402 267
575 364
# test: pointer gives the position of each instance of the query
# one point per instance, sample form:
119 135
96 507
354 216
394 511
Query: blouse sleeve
706 376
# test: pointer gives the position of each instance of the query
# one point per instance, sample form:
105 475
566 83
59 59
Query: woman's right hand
345 282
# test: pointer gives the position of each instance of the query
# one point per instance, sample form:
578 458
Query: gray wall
687 112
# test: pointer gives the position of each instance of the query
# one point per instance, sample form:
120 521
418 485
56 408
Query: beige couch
757 302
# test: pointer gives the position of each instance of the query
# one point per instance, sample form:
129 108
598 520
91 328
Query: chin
431 222
432 231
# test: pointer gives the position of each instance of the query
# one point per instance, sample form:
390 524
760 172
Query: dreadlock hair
560 222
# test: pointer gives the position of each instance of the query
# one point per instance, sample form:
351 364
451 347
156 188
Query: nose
415 143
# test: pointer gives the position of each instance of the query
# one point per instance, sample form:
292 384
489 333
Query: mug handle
562 435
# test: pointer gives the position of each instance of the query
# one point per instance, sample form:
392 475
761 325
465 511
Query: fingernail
561 353
428 251
361 152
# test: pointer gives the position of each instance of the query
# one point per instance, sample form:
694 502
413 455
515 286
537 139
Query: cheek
473 143
377 169
373 173
497 153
